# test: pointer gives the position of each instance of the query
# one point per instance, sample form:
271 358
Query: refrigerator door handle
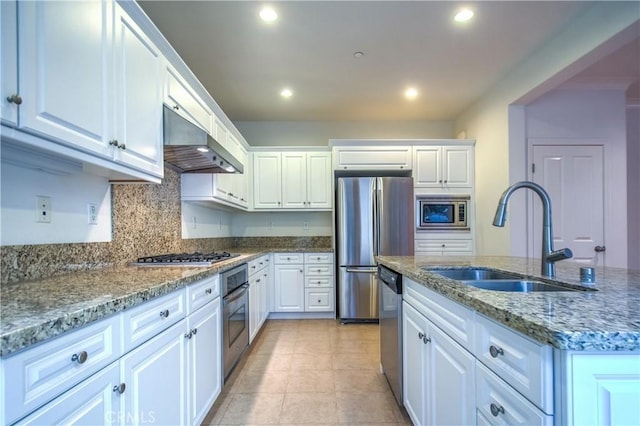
362 270
374 210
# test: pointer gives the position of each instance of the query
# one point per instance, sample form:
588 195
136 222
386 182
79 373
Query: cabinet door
267 180
92 402
294 180
9 63
319 176
289 288
185 102
457 166
414 362
427 168
451 378
254 306
155 375
138 109
65 72
205 360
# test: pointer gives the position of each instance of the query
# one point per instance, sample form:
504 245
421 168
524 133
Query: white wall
211 222
488 120
69 195
199 221
633 185
568 117
307 133
285 224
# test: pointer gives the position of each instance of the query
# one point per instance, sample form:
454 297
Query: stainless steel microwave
442 212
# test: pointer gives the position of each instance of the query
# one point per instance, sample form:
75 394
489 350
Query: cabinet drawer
36 376
318 258
283 258
318 269
202 292
258 264
444 246
499 404
454 319
373 158
521 362
318 299
318 281
145 321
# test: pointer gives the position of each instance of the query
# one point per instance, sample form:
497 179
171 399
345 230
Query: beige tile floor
300 372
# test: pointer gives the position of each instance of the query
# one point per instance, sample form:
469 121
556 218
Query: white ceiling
244 63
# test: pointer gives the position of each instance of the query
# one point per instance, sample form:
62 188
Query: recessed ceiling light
286 93
267 14
411 93
463 15
358 54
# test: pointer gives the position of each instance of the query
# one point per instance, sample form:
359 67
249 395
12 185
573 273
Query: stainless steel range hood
189 149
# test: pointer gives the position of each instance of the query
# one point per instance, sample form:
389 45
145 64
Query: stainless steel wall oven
235 307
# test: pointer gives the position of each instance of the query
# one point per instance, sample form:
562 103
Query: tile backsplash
146 221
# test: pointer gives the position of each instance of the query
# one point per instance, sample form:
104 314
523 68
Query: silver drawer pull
120 388
495 351
319 282
496 409
194 331
188 335
319 270
80 358
258 280
208 291
424 338
165 313
318 257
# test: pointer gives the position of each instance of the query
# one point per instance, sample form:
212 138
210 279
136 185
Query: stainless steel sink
518 286
487 279
474 274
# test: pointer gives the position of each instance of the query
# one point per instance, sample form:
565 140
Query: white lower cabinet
259 285
204 360
96 401
289 288
147 365
439 376
155 375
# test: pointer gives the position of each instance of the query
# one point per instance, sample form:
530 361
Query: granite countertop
34 311
604 320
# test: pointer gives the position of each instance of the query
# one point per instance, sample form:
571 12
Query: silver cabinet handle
301 271
496 409
253 266
120 388
599 249
194 331
495 351
288 258
421 335
424 338
15 99
176 107
319 270
188 335
265 275
258 280
208 291
80 357
165 313
318 257
114 142
319 282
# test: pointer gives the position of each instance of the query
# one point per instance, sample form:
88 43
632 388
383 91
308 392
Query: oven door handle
235 294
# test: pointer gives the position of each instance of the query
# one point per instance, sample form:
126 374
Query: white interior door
573 175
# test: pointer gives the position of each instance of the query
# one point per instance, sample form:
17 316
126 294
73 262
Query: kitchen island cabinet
537 362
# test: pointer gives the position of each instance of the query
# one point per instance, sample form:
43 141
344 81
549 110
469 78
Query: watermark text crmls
140 417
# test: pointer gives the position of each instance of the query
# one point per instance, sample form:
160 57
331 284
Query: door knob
600 249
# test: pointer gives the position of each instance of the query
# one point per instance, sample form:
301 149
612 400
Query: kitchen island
557 357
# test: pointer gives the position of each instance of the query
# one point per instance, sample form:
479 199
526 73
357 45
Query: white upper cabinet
9 64
292 180
65 72
138 97
84 79
180 97
443 166
372 157
267 181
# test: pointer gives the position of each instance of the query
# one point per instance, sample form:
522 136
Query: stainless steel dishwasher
390 287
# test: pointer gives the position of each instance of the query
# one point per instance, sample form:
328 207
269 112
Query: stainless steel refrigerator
374 216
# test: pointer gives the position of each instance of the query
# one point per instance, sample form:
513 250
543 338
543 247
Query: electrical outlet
305 226
92 214
43 209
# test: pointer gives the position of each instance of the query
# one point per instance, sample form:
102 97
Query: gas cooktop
184 259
